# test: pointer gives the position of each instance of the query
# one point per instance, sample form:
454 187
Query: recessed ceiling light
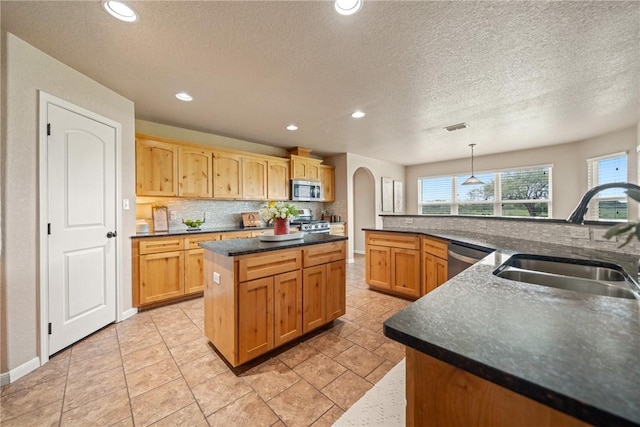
120 10
357 114
347 7
292 127
183 96
457 126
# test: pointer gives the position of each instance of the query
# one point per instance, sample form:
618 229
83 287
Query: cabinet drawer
435 247
394 240
191 242
236 235
257 266
154 246
324 253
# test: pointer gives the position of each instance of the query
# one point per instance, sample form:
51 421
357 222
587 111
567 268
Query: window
514 192
608 204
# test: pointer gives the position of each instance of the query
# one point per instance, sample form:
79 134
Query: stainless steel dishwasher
462 257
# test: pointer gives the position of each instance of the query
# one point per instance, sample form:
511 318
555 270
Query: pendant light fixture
472 180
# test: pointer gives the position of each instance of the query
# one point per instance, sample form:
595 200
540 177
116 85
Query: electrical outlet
598 235
481 224
216 278
174 216
579 232
408 220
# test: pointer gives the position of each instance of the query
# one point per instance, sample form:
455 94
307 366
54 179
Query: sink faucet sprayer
577 216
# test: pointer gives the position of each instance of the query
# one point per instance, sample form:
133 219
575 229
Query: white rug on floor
383 405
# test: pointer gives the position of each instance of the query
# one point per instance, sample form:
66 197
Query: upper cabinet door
156 168
327 180
278 180
196 172
313 169
254 178
305 168
227 176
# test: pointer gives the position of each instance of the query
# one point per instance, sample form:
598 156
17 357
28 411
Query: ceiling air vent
456 127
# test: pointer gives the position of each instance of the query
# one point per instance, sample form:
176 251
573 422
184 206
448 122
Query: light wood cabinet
156 168
161 276
255 324
168 268
277 180
245 234
327 180
393 263
227 176
264 300
457 398
196 172
305 168
254 178
405 272
434 263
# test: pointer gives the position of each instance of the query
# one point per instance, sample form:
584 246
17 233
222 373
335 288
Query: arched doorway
364 206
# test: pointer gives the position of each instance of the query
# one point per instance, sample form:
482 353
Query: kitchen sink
592 277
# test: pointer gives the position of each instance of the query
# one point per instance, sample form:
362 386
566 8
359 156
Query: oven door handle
462 258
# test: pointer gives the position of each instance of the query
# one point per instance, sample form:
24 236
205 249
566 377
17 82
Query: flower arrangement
278 210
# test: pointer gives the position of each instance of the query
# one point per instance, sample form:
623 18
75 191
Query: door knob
112 234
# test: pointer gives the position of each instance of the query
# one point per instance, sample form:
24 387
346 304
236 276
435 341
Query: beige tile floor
156 368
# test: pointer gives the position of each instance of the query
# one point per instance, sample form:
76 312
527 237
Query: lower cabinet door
313 297
335 290
405 272
194 271
288 306
161 276
255 319
435 272
378 266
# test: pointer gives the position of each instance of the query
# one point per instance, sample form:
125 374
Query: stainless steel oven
462 257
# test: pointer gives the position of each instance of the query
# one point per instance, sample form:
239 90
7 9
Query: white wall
569 167
363 207
378 169
27 70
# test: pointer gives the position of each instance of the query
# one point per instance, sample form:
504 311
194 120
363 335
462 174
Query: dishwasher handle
462 258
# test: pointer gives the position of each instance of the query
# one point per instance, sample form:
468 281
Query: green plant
631 228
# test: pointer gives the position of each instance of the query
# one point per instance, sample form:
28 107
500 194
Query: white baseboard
359 252
22 370
127 314
4 379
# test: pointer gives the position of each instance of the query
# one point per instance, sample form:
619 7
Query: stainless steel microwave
306 191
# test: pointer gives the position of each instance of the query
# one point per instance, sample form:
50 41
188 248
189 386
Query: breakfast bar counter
574 355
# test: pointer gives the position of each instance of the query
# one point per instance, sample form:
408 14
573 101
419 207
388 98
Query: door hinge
48 128
49 328
49 228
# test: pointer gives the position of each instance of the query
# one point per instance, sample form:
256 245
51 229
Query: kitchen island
484 350
261 295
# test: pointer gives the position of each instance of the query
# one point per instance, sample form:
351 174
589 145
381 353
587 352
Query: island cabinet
259 301
156 168
393 263
434 265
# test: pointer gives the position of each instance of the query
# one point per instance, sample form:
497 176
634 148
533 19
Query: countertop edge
217 246
533 391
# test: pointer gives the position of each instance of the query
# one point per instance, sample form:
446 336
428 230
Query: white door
81 212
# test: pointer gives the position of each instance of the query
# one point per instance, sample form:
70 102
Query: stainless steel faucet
577 216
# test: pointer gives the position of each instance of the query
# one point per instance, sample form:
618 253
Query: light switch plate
125 204
579 232
216 278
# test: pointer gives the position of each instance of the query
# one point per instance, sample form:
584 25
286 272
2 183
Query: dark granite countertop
575 352
236 247
202 231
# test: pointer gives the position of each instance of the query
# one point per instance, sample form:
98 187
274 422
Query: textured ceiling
522 74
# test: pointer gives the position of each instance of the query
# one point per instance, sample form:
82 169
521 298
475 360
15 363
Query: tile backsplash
583 236
219 213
